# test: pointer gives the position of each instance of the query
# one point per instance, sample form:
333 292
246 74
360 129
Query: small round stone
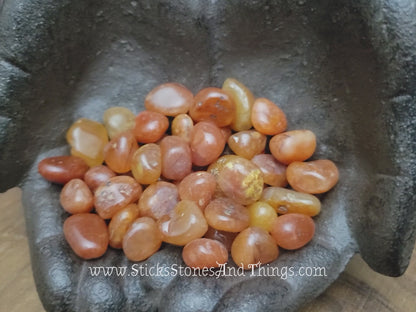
76 197
204 253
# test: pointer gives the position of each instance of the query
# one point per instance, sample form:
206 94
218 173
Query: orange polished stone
169 99
224 237
314 177
62 169
176 158
226 215
97 176
252 247
293 230
262 215
274 172
199 187
146 164
119 224
267 117
182 126
118 120
290 146
150 126
116 194
119 152
76 197
247 144
204 253
87 235
87 139
142 239
213 104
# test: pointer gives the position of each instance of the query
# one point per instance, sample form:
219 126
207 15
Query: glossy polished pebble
97 176
199 187
293 230
274 172
119 224
87 139
150 126
262 215
169 99
185 224
215 168
267 117
314 177
118 120
76 197
243 99
204 253
247 144
226 215
146 164
226 133
207 143
288 201
62 169
213 104
142 239
116 194
182 126
158 199
119 152
241 180
252 247
87 235
290 146
224 237
176 158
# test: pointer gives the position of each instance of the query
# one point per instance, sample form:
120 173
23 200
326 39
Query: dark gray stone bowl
344 69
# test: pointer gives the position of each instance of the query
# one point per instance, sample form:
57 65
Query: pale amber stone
146 164
199 187
288 201
274 172
314 177
176 157
252 247
119 152
76 197
267 117
119 224
262 215
204 253
185 224
226 215
118 120
247 144
182 126
243 99
87 139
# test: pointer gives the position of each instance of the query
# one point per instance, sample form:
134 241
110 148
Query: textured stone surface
345 69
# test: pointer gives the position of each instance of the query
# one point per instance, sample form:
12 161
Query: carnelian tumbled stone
158 199
115 194
252 247
146 164
204 253
262 215
176 158
142 239
314 177
169 99
119 224
119 152
150 126
226 215
76 197
87 139
274 172
62 169
182 126
97 176
185 224
267 117
199 187
87 235
118 120
290 146
247 144
293 230
224 237
213 104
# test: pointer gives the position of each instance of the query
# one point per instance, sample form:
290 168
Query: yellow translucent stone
87 139
262 215
117 120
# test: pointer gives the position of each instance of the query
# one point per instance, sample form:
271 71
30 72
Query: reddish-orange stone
267 117
213 104
226 215
62 169
224 237
314 177
142 239
169 99
76 197
119 224
119 151
150 126
199 187
97 176
247 143
182 126
274 172
204 253
115 194
176 158
146 164
293 230
87 235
